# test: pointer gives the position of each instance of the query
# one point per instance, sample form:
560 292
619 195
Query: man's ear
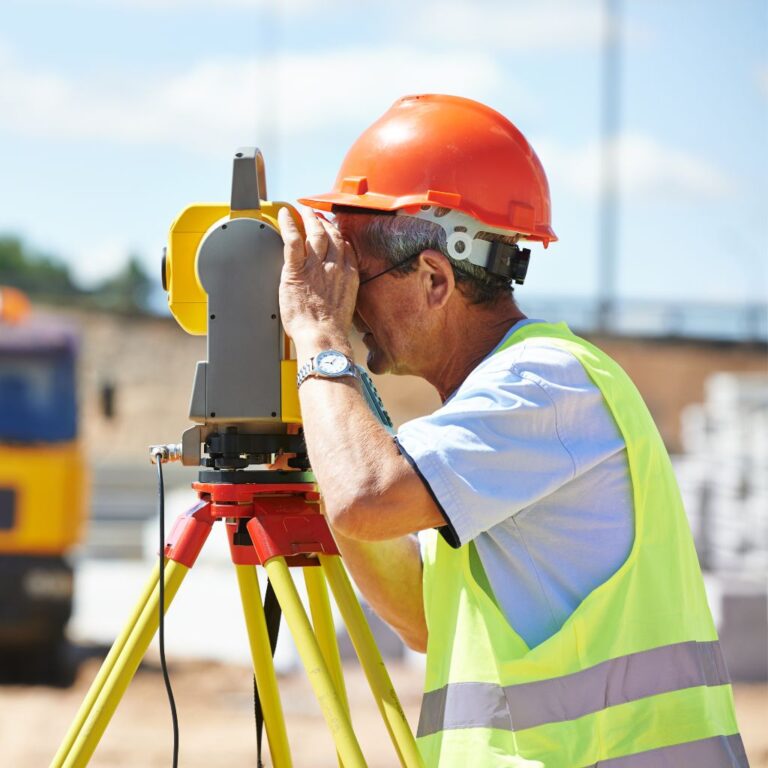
437 278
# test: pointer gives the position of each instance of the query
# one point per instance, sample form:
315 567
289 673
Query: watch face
332 363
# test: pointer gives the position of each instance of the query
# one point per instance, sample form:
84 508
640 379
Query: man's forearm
351 453
371 492
347 449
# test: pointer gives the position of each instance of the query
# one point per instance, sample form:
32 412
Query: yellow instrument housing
187 298
289 393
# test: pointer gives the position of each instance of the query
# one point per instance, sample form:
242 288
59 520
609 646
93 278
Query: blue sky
115 114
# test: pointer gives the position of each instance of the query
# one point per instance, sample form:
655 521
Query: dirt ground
215 706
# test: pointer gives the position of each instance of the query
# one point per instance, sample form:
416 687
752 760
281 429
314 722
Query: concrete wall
151 362
670 373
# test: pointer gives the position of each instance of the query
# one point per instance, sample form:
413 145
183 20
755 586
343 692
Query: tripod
273 520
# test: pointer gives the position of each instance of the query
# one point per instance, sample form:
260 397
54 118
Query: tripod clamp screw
165 453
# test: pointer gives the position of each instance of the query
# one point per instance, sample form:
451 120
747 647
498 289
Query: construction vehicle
42 492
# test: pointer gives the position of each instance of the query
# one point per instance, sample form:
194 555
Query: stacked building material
724 473
724 481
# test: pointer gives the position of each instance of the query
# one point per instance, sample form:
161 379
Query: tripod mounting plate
263 521
245 477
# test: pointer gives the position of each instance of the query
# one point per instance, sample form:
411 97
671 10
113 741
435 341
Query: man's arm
370 491
373 500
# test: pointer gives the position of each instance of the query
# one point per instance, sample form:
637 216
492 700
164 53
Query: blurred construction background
651 119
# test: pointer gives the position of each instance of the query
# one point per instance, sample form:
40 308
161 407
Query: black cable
161 629
272 613
257 715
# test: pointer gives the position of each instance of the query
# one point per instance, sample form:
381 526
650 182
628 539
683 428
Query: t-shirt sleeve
490 451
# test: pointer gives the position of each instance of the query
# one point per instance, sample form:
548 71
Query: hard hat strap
506 260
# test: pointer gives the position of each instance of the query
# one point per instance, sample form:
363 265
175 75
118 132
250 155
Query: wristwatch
328 364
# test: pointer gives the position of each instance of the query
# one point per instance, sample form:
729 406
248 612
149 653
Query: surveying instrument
221 271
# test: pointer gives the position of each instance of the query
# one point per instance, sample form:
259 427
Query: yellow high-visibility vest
634 678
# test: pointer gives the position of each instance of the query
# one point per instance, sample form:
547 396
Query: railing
634 317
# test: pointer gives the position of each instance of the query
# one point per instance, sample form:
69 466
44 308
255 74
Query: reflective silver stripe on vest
717 752
627 678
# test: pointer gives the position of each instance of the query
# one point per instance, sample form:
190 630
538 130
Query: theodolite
221 270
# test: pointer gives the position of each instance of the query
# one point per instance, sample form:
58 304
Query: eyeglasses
390 269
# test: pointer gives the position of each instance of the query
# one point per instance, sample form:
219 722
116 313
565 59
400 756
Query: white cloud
518 24
647 169
220 103
275 6
99 260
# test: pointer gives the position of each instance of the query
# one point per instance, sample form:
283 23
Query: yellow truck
42 493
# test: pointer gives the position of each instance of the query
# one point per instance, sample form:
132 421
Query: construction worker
553 584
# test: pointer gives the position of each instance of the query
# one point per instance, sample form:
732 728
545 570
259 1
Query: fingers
337 249
324 241
342 252
350 255
317 240
293 250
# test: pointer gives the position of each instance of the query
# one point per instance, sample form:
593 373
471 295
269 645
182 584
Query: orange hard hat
450 152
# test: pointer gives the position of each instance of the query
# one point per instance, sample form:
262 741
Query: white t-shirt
525 460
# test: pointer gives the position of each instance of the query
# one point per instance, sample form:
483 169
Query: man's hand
318 287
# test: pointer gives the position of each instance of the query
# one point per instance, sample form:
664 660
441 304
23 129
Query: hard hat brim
388 203
371 201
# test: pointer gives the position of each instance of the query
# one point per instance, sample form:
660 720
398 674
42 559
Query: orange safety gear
14 305
451 152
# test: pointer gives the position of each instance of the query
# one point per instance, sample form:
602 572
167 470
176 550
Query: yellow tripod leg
370 659
123 670
319 677
263 667
322 621
104 671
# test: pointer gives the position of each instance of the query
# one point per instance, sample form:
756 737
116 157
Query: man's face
387 314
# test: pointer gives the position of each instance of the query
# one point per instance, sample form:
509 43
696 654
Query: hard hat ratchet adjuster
506 260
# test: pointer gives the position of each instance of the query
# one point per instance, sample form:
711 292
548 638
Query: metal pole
268 100
609 188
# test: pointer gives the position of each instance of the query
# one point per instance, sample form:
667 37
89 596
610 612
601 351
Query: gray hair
396 238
